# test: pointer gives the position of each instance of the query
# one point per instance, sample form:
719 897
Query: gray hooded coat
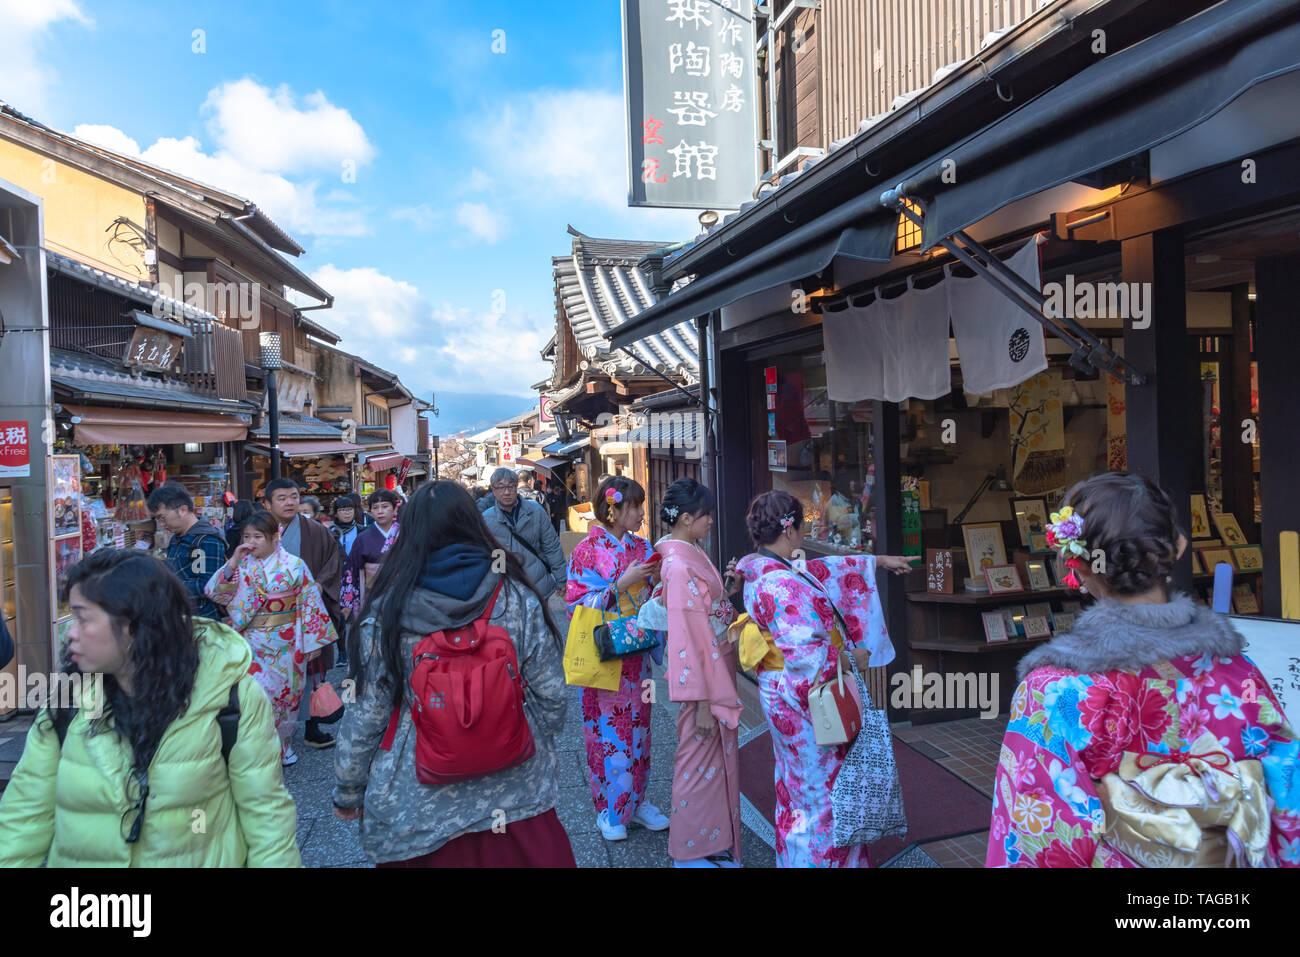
404 818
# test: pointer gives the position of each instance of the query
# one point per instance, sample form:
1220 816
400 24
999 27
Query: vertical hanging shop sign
690 88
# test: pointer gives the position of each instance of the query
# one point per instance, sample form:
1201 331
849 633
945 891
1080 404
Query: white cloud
27 70
291 140
109 137
481 221
571 145
477 182
422 216
431 347
266 130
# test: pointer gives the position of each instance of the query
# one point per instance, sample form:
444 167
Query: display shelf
969 598
966 647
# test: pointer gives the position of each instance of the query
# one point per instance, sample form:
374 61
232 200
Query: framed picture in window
984 547
1040 609
1229 529
1249 558
1036 626
1031 517
1200 517
1244 600
1039 579
1003 580
995 627
1063 621
1012 615
1211 557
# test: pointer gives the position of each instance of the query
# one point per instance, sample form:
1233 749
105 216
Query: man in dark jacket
197 549
524 528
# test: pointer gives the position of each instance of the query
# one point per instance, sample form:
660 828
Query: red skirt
538 841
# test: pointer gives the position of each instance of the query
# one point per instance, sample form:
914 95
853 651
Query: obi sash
756 648
1197 808
277 612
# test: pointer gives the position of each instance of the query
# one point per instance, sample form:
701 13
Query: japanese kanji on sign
15 450
690 88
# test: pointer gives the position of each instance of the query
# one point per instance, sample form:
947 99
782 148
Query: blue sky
468 163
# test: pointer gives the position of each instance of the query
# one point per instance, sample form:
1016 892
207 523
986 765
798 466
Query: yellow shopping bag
582 666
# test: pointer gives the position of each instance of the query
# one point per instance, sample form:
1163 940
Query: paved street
328 842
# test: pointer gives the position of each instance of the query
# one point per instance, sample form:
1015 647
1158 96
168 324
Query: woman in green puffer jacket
140 779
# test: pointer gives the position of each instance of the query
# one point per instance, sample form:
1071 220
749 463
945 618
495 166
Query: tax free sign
690 88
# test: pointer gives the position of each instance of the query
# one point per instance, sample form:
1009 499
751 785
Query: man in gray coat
524 528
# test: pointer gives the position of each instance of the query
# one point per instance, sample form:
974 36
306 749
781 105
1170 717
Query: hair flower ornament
1065 534
672 512
613 496
787 521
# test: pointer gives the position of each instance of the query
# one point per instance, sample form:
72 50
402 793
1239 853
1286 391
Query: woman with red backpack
448 756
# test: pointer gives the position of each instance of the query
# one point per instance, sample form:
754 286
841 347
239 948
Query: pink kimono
701 665
798 609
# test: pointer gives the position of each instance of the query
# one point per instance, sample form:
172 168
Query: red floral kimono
615 724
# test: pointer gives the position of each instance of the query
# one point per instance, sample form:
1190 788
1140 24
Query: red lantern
390 481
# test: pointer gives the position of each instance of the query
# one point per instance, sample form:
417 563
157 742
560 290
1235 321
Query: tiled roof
294 425
601 288
122 287
85 376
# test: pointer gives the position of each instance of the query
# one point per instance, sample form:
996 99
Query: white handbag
836 709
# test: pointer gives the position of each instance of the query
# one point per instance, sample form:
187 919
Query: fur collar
1113 636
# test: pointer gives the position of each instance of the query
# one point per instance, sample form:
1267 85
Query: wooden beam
1277 311
1158 413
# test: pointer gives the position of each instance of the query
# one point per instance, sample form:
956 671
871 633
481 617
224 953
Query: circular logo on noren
1018 345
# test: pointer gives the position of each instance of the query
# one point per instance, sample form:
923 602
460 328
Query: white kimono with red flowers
796 609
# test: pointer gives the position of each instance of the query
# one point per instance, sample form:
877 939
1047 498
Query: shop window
820 452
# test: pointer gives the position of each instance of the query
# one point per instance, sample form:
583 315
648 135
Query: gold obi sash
277 612
757 651
1198 808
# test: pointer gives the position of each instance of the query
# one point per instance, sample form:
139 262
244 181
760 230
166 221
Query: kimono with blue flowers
615 724
1165 760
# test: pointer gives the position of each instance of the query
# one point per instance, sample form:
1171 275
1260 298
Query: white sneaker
650 817
610 832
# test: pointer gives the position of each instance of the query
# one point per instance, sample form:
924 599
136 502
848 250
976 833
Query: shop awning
295 449
1111 112
567 449
547 464
383 461
93 425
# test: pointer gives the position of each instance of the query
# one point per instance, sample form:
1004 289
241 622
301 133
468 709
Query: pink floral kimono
701 665
796 609
277 606
615 724
1145 738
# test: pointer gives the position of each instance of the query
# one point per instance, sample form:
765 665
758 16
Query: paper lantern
390 482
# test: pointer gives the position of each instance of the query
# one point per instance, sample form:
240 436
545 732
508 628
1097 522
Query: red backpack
469 703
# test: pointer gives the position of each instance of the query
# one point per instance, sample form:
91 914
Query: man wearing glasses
524 528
